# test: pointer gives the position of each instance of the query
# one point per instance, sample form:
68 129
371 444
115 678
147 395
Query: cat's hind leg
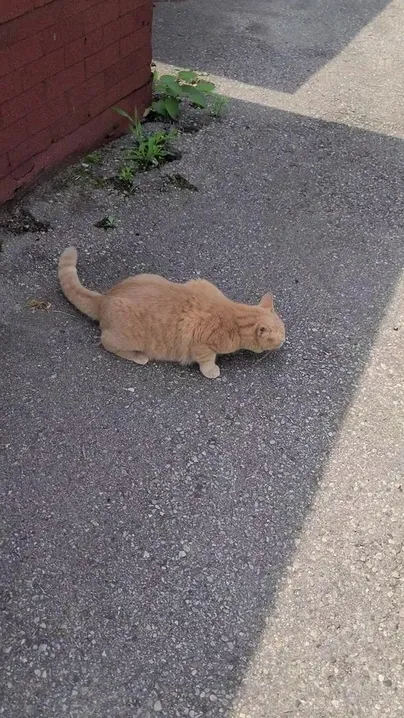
122 348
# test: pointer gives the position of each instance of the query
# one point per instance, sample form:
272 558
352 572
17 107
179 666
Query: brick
72 7
144 55
84 47
31 147
121 69
30 24
16 30
10 9
47 115
126 6
22 172
128 85
106 57
23 104
4 165
136 102
91 88
20 54
10 86
8 187
43 68
138 39
104 126
101 14
81 116
120 27
13 135
65 80
71 122
144 15
62 33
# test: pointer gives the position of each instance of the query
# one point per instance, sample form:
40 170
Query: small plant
126 176
170 90
94 158
107 222
86 173
149 150
218 105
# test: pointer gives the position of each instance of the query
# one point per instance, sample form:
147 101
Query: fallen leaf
35 304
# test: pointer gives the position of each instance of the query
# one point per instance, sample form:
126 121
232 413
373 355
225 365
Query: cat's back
203 290
145 285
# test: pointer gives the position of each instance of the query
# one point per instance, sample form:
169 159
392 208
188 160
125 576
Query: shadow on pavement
277 45
150 513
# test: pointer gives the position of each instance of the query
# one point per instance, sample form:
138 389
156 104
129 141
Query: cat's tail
84 299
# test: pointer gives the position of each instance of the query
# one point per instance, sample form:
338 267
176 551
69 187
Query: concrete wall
63 65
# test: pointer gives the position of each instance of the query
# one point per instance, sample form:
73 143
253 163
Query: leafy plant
94 158
107 222
133 121
170 90
126 175
149 150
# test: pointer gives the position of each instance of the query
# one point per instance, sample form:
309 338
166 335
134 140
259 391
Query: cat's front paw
211 371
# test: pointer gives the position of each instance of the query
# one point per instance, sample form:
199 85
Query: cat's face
269 330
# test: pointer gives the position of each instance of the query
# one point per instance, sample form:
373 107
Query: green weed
126 176
170 90
94 158
148 150
107 222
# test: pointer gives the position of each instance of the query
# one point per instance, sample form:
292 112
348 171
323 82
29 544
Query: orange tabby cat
147 317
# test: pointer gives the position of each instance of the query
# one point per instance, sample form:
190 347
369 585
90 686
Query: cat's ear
267 301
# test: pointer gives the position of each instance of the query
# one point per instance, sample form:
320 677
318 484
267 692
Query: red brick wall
63 65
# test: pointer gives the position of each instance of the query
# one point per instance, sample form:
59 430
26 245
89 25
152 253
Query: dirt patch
20 221
180 182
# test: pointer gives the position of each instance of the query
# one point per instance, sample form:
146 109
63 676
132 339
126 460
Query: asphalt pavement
182 547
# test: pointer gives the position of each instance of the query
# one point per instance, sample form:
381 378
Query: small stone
213 698
157 707
387 682
182 554
131 389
